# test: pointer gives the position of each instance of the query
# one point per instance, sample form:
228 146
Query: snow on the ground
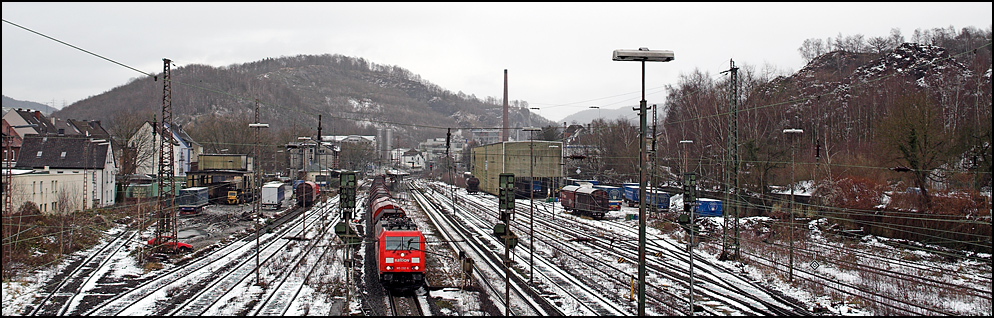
20 292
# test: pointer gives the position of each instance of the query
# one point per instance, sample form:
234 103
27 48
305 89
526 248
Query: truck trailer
272 195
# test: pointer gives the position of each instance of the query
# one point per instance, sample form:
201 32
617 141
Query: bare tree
67 204
915 137
135 148
879 44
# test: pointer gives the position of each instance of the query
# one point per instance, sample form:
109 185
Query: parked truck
272 195
192 200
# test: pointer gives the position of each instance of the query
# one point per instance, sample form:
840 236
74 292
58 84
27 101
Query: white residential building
185 150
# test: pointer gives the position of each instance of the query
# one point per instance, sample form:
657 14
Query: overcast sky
558 55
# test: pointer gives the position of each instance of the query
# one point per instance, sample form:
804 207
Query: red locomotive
400 245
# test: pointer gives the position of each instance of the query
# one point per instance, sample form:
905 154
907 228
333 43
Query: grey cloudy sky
558 55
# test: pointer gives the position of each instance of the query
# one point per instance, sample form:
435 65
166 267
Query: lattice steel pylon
8 201
732 165
166 177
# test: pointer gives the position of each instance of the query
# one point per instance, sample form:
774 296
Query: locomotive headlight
389 268
389 259
416 267
415 260
402 254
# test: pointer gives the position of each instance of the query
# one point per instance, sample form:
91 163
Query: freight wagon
584 201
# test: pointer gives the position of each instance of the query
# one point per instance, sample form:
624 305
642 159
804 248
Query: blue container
708 207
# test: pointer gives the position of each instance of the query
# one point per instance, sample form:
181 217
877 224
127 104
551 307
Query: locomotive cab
401 259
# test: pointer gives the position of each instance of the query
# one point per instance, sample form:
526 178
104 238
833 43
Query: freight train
400 245
306 193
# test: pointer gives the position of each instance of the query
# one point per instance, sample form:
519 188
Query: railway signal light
347 192
505 191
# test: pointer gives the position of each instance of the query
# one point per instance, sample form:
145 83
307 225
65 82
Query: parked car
166 242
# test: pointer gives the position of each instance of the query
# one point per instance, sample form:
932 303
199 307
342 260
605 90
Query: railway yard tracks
599 269
200 285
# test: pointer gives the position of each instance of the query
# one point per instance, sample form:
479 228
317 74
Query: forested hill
918 106
353 96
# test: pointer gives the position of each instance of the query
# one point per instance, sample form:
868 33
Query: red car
168 243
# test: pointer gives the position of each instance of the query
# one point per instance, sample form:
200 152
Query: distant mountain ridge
10 103
353 96
587 115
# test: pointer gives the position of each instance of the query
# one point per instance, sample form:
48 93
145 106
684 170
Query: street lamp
255 204
531 202
643 55
790 266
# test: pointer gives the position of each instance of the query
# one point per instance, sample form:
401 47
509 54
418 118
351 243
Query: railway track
277 302
490 268
583 293
405 306
205 301
710 284
66 292
182 281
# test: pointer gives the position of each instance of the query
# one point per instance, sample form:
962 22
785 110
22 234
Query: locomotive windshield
398 243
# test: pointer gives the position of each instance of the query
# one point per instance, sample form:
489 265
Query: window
395 243
63 155
39 154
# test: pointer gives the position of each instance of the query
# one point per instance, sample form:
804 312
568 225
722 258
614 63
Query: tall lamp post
790 262
531 202
643 55
255 203
690 247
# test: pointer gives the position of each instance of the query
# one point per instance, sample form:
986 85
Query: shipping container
657 197
708 207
